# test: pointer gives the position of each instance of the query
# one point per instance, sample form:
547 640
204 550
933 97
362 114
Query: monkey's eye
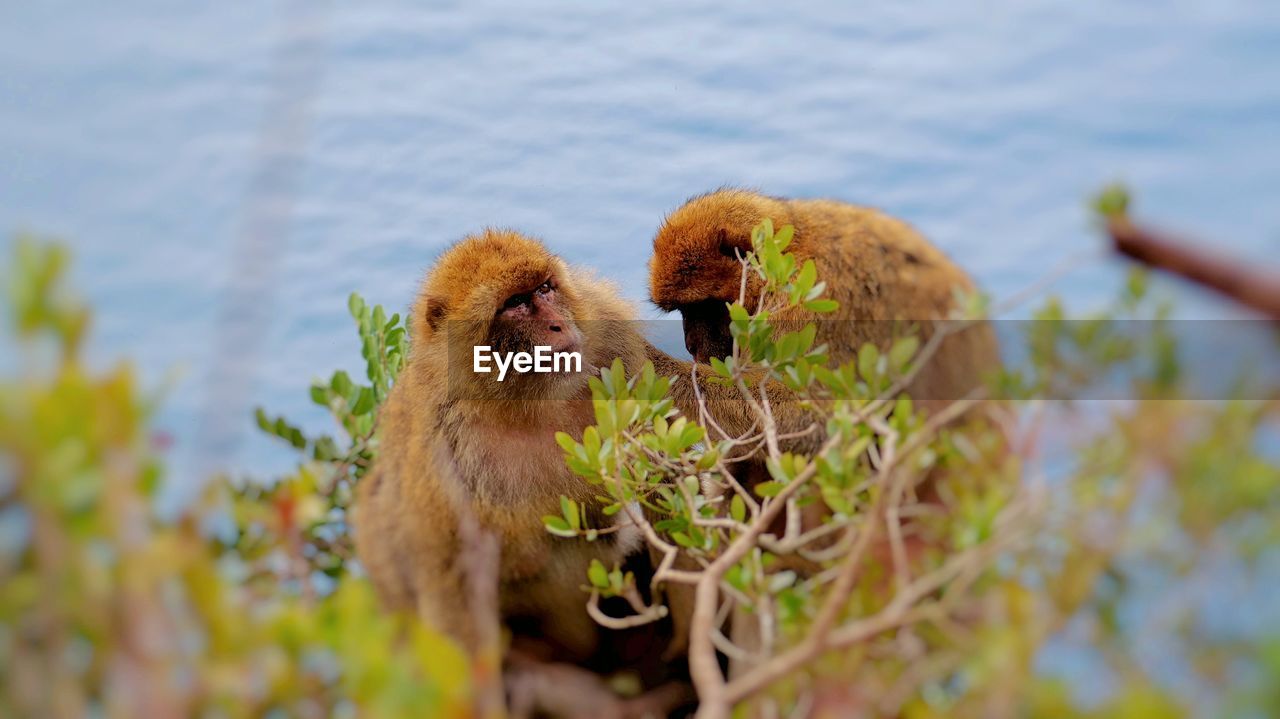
515 302
545 288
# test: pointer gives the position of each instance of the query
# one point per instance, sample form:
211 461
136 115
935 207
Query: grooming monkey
887 278
881 271
459 447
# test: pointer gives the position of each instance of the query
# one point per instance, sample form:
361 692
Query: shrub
950 616
108 609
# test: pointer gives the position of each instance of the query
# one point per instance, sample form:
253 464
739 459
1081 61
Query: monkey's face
536 317
699 277
706 329
507 292
697 267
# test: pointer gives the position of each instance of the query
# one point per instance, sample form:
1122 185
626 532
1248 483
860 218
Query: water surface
134 130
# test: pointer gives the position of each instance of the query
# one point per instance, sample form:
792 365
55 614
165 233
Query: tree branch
1251 287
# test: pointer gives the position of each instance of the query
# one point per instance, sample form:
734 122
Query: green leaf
394 336
737 508
765 228
1112 202
340 383
858 447
691 435
902 352
708 459
783 236
558 526
355 305
1136 284
868 358
598 575
822 306
769 489
567 443
365 402
807 277
325 449
719 368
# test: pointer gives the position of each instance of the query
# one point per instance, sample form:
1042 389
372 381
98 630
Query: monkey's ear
434 312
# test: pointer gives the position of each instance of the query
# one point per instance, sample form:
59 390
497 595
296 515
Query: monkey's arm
408 541
729 410
441 591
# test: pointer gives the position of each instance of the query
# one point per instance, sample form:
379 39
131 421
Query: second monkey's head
695 267
506 291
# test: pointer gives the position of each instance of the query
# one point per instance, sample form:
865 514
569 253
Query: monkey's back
889 279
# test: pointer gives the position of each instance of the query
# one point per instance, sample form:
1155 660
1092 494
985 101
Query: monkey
457 446
449 435
887 278
883 273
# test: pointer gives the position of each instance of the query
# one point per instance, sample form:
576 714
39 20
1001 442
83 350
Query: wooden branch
703 665
1258 289
643 615
907 607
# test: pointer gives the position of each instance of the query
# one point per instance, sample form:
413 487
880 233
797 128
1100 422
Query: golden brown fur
888 279
455 443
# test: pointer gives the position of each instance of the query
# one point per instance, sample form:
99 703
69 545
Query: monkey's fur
455 444
889 282
884 274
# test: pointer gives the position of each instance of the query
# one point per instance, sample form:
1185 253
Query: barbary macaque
889 282
463 448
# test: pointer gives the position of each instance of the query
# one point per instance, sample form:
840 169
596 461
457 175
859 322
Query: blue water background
132 129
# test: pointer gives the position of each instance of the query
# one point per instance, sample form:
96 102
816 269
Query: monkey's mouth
568 340
706 330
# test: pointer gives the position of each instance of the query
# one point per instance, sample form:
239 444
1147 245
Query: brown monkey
882 272
456 444
887 278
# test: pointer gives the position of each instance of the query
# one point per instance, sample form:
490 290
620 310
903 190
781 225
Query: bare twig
703 666
1250 286
902 610
644 614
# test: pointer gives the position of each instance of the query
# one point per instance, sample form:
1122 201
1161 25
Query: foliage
108 609
897 606
313 502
